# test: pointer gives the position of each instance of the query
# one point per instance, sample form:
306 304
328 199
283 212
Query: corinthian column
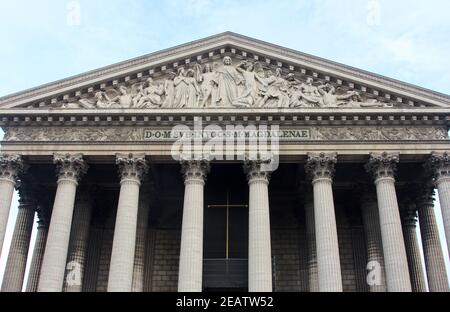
259 246
141 238
432 249
409 220
320 168
18 252
439 165
11 166
76 259
191 250
311 239
38 251
131 169
69 168
383 166
376 279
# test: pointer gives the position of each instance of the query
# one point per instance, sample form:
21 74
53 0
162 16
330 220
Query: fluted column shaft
11 166
51 278
432 249
259 244
376 279
412 252
38 254
320 168
76 259
396 264
313 279
141 239
439 165
131 168
191 249
18 252
443 186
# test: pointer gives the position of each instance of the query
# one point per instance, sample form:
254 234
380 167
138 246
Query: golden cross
227 206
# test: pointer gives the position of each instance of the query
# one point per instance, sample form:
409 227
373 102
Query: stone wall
289 249
163 260
105 259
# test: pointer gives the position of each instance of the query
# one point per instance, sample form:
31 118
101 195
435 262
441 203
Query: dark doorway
226 213
225 248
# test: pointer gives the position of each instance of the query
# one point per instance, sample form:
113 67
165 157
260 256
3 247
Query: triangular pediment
226 71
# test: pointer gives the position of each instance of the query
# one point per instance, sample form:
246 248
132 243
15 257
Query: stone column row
70 220
131 169
409 220
320 169
439 167
191 248
11 167
50 268
376 278
70 169
18 251
259 244
38 251
431 244
383 167
79 237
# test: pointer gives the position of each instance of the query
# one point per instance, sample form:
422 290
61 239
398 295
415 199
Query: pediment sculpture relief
246 84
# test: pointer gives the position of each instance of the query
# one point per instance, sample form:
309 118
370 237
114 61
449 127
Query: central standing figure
227 79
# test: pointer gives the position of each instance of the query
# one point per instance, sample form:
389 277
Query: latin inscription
282 135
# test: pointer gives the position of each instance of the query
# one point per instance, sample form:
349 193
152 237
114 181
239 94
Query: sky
47 40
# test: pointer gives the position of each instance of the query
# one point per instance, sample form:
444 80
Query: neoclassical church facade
301 175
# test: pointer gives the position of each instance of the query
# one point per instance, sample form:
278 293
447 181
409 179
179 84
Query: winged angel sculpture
244 85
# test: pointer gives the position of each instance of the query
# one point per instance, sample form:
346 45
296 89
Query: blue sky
42 41
403 39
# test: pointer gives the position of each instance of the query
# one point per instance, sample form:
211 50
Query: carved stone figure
298 94
245 85
250 93
357 102
193 90
227 80
169 90
329 97
208 86
277 88
100 100
181 89
124 98
309 89
150 96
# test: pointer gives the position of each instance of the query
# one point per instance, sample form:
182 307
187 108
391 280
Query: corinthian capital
132 166
438 165
254 168
70 166
409 215
27 191
321 166
195 169
11 167
382 165
424 191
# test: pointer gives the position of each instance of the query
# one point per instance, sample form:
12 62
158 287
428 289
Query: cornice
169 117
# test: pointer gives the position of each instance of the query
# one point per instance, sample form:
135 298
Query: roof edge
210 39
